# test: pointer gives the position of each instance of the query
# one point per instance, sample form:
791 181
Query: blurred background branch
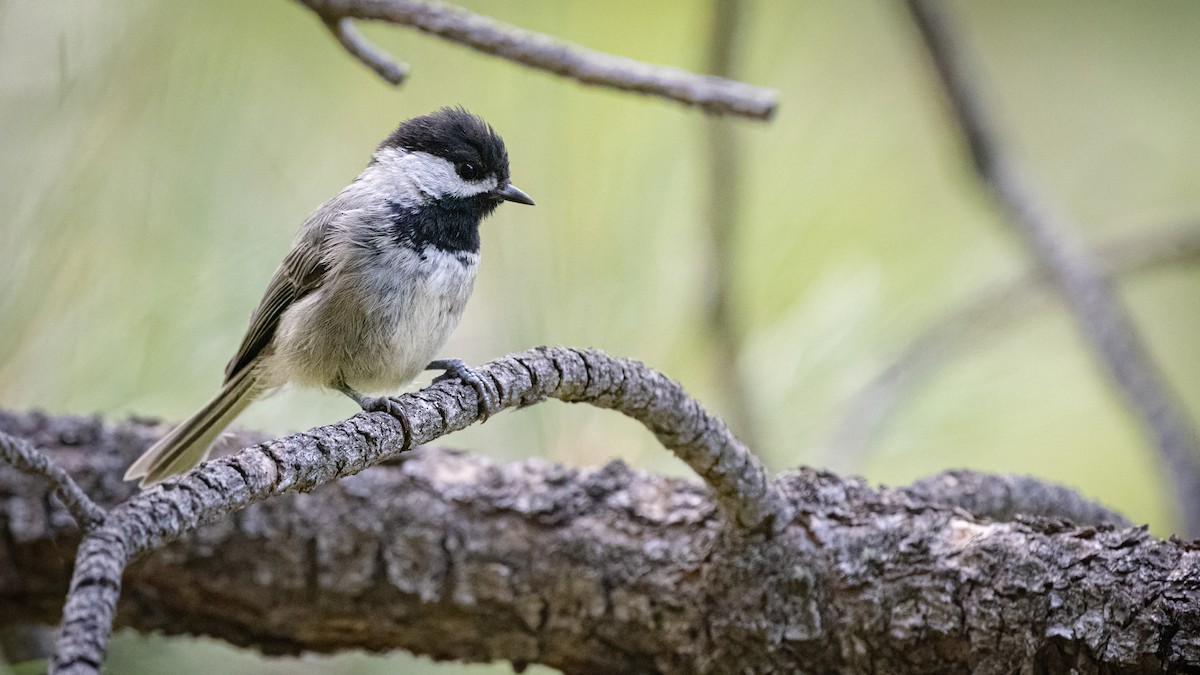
1052 239
714 95
869 409
725 173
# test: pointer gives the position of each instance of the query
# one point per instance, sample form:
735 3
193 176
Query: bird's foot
389 405
457 369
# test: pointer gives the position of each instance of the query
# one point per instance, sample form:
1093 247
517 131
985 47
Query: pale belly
376 330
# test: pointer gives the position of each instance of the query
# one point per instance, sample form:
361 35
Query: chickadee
377 279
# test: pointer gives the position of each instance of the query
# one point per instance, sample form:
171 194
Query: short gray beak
512 193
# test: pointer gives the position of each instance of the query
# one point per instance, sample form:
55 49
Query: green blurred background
157 158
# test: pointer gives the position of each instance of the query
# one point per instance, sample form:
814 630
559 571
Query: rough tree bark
611 570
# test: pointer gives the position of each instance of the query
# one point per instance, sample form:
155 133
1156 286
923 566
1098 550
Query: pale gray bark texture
600 570
750 502
20 453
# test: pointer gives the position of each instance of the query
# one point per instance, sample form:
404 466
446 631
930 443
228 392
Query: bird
375 282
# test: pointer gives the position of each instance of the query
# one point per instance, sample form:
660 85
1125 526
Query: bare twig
299 463
23 455
1053 240
712 94
724 174
366 51
872 406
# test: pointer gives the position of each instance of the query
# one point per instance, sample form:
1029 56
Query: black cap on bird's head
466 141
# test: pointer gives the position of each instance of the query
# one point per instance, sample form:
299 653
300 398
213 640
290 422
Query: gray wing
300 273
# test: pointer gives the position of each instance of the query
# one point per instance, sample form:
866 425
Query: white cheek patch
428 175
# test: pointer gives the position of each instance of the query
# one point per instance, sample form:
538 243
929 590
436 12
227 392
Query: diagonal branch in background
160 515
1053 240
714 95
611 570
871 407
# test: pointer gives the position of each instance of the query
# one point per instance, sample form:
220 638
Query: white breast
422 317
376 327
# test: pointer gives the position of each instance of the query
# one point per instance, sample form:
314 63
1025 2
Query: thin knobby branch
299 463
872 406
1076 274
23 455
714 95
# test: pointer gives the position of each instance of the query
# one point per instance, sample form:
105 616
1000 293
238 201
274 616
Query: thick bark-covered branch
610 570
1006 497
712 94
1054 242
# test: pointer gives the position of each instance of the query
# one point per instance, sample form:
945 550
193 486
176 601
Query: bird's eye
469 171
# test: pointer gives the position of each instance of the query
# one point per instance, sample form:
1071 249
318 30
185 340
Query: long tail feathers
188 444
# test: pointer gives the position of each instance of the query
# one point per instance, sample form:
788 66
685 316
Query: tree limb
1053 240
714 95
872 406
610 570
